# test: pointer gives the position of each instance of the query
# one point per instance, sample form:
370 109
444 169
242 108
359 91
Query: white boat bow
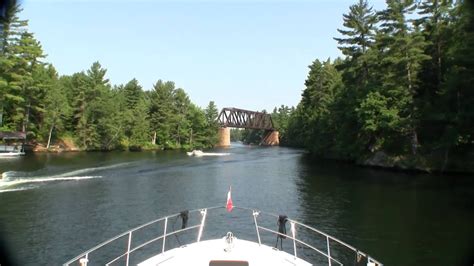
144 246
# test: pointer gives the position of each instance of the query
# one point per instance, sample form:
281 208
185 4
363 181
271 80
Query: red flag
229 206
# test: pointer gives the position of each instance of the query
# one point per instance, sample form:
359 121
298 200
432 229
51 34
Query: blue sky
246 54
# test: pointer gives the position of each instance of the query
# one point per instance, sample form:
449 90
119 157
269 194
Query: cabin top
12 135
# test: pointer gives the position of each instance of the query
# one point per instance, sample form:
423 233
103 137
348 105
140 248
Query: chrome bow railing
325 251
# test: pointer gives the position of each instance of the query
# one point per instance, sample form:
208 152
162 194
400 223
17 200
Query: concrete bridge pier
271 138
224 137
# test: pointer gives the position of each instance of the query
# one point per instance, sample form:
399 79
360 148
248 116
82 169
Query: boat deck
242 251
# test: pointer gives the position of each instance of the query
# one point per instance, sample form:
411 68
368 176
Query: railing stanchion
255 214
329 250
84 260
164 235
128 246
293 233
203 220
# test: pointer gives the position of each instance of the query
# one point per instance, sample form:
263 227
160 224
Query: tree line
404 87
85 107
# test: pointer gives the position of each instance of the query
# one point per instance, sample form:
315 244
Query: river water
54 206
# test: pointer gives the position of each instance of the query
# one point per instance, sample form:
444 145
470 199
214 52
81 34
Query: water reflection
399 218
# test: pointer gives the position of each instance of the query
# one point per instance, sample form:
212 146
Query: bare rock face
66 144
39 148
407 162
380 159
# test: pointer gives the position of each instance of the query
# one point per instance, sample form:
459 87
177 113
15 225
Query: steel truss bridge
239 118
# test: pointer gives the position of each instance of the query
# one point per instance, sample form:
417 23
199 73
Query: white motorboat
199 153
11 146
149 244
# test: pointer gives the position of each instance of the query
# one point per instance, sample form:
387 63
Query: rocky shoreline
63 145
426 164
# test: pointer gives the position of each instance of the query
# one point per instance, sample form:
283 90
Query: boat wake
14 189
5 186
16 181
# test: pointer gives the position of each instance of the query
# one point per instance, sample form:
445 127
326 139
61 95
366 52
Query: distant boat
199 153
11 147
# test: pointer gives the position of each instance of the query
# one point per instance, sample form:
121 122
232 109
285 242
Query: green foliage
139 126
198 135
211 113
404 86
85 107
161 112
281 119
236 134
252 136
311 125
21 88
132 93
57 109
457 95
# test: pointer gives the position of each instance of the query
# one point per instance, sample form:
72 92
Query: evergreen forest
401 96
85 109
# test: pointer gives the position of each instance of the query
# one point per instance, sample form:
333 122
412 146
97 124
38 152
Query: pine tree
134 114
109 121
56 106
402 56
92 102
357 39
457 94
199 135
132 93
181 127
211 113
20 54
161 112
140 132
435 22
312 124
29 92
11 27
